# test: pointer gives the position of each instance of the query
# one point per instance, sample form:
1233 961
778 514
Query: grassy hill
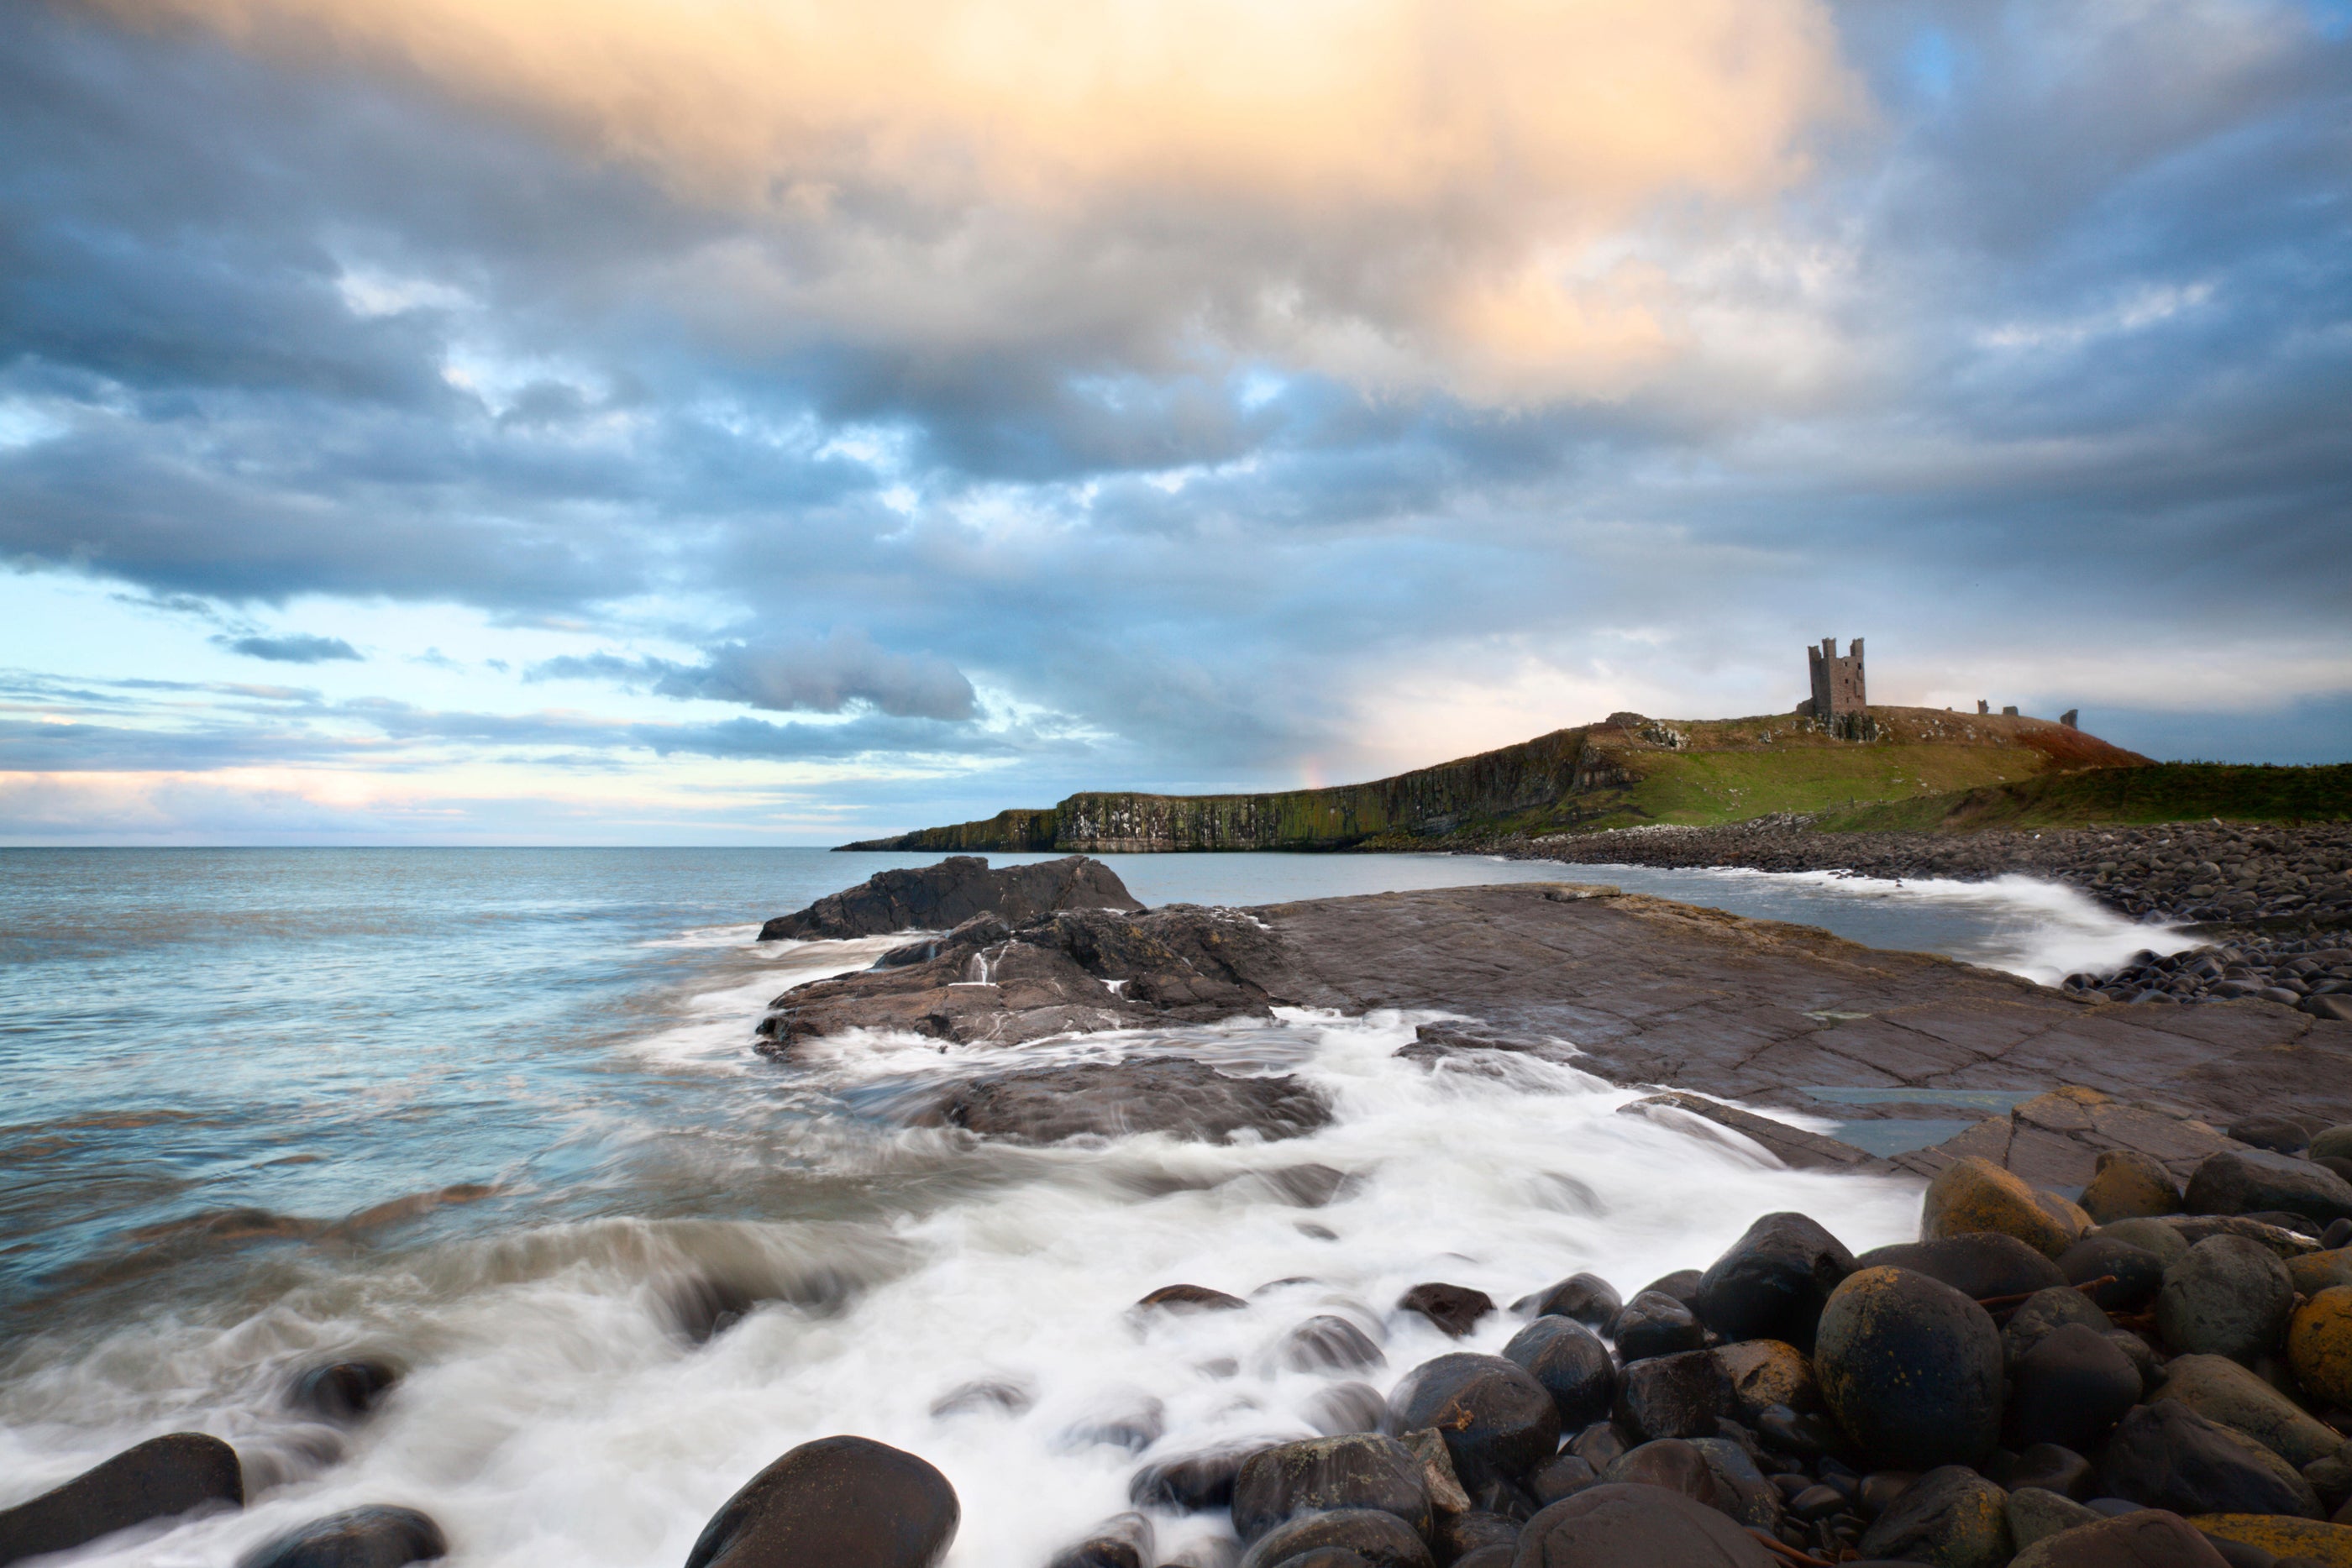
1626 770
2161 792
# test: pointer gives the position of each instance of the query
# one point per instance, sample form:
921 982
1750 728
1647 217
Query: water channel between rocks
225 1065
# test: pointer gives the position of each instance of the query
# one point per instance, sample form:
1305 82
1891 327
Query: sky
771 422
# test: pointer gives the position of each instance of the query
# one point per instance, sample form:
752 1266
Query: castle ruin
1837 683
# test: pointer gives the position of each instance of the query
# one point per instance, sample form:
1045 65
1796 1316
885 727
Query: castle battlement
1838 689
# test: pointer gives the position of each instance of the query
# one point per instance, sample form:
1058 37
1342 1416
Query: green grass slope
2161 792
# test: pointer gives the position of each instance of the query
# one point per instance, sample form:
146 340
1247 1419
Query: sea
492 1116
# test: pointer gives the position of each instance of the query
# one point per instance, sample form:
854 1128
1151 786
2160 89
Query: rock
1768 1371
2276 1133
1455 1309
2151 1235
1678 1395
1346 1407
1973 1196
937 897
2072 1389
2045 1466
1189 1483
2167 1456
2035 1514
1325 1342
1671 1463
1682 1285
1124 1540
2333 1143
1363 1471
2284 1241
1624 1524
1445 1493
1477 1531
356 1538
2301 1541
2127 1185
2132 1275
1982 1267
1599 1444
2252 1181
2147 1538
2227 1296
2316 1271
1773 1282
1193 1298
1563 1475
1380 1538
1911 1368
156 1479
2222 1390
1572 1365
1128 1419
2045 1312
1799 1433
1654 1323
1951 1516
1497 1421
2319 1346
984 1395
1587 1298
848 1502
1106 1100
1742 1490
343 1390
1490 1557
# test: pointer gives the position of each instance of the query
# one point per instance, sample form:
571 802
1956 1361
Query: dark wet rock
1742 1490
2127 1185
1772 1282
1497 1421
1365 1472
1455 1309
343 1390
1678 1395
2167 1456
1622 1525
1951 1516
1133 1421
2252 1181
1123 1541
1446 1494
1185 1098
159 1479
1654 1323
1478 1530
1800 1433
1879 1490
2037 1512
1189 1483
1911 1368
1346 1407
1768 1371
2129 1276
2284 1241
848 1502
2276 1133
2149 1538
2045 1312
1324 1557
937 897
1682 1285
1490 1557
1587 1298
357 1538
1973 1196
1982 1266
1326 1343
1669 1462
2044 1467
1379 1538
1818 1501
1561 1476
2227 1392
1193 1298
2227 1296
2072 1389
1599 1444
2319 1346
1572 1365
2156 1235
995 1396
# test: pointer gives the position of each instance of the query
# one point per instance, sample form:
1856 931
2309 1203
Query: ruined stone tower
1837 683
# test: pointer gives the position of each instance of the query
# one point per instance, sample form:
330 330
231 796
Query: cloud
805 675
295 649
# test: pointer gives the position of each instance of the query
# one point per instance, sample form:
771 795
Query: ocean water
491 1114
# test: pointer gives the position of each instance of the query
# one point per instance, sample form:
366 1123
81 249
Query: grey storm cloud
812 675
2032 357
299 649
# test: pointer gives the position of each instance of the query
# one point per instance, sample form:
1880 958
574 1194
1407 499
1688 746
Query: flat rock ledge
936 898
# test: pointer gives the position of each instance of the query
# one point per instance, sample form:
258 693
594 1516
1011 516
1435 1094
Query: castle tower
1837 683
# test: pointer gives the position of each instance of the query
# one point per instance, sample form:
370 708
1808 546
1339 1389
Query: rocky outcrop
1184 1099
936 898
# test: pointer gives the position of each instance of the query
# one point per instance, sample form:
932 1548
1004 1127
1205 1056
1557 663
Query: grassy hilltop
1925 767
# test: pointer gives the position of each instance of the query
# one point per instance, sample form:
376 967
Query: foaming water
493 1116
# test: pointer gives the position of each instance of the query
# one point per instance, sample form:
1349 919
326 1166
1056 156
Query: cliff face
1623 770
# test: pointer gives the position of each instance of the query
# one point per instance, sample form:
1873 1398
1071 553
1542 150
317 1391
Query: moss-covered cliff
1624 771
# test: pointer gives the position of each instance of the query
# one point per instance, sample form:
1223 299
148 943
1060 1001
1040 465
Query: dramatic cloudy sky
774 420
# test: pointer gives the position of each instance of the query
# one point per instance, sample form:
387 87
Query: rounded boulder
1379 1538
1572 1365
1654 1323
1772 1282
1619 1525
2319 1345
1911 1368
2167 1456
1978 1266
1951 1516
357 1538
2070 1389
2128 1185
2226 1296
847 1502
2256 1181
1973 1195
2149 1538
2117 1275
1497 1422
1587 1298
160 1478
1366 1470
2226 1391
1768 1371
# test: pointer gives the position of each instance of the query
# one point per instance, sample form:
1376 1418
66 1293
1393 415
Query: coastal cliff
1624 771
